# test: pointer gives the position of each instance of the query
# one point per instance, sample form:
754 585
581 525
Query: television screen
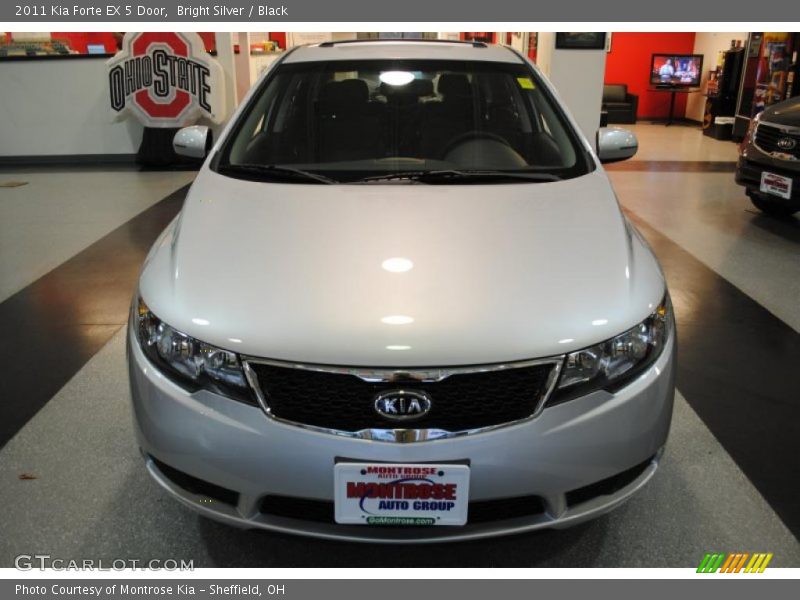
676 69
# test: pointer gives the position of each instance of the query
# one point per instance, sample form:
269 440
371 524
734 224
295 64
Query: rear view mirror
194 141
615 143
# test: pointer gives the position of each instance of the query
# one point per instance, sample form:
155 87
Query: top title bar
297 11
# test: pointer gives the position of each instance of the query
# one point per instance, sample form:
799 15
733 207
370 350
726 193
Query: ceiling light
397 264
397 320
396 77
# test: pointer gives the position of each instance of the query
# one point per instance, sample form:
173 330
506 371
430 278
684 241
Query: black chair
445 120
619 104
347 129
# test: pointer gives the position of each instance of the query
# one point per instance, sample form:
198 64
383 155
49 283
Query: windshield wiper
451 175
266 172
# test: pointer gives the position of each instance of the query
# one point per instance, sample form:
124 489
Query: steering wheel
475 134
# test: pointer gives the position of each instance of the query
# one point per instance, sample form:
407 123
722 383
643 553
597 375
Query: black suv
769 159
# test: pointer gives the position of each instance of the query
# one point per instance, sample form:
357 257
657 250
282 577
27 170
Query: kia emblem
403 405
787 143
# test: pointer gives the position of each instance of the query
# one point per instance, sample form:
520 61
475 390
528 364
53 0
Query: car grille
344 402
767 138
197 486
608 486
482 511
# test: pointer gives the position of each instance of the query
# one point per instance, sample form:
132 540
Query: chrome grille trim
387 375
783 130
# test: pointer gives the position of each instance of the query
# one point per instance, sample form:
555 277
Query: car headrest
453 84
346 93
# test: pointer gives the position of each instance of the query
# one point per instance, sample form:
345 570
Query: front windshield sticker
526 83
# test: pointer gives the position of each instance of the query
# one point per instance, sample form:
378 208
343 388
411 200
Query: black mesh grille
767 138
346 403
484 511
197 486
608 486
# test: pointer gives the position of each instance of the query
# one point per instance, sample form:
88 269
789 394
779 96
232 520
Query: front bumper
556 456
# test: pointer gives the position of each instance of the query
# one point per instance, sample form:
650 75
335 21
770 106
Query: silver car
401 304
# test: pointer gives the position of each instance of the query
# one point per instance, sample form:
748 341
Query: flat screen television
676 70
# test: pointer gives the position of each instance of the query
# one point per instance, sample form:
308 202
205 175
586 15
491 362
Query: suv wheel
773 208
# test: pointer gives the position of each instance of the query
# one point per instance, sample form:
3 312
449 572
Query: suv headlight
751 131
611 364
193 363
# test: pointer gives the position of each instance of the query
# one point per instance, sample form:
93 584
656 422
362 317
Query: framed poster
581 40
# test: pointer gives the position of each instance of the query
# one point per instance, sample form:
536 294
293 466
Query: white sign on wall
300 38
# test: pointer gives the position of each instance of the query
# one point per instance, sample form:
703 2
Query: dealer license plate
401 494
777 185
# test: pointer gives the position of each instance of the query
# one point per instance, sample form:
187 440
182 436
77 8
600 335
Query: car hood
784 113
500 272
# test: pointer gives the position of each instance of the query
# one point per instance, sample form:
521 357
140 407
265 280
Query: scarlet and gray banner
298 11
165 79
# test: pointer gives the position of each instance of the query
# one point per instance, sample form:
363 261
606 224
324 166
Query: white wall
227 60
243 67
709 45
57 107
518 42
578 78
60 107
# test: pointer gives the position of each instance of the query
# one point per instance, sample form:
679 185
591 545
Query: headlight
189 360
751 130
611 364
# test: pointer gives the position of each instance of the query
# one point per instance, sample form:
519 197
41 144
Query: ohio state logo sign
165 79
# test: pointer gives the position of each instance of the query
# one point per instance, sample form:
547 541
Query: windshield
373 120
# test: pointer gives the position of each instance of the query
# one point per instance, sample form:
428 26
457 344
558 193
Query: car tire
773 208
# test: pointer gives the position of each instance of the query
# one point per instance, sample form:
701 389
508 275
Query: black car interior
481 120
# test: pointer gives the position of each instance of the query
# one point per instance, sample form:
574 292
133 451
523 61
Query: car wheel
773 208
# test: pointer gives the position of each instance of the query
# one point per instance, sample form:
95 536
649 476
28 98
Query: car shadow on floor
787 228
574 547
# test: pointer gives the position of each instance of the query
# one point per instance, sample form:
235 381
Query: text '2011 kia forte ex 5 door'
401 303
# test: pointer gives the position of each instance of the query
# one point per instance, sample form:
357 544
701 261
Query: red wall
79 41
629 62
279 37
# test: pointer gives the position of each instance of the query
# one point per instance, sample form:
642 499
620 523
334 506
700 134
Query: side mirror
194 141
615 143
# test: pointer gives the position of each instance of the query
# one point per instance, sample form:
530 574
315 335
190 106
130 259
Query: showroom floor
74 486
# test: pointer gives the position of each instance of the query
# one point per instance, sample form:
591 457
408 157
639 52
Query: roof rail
471 43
